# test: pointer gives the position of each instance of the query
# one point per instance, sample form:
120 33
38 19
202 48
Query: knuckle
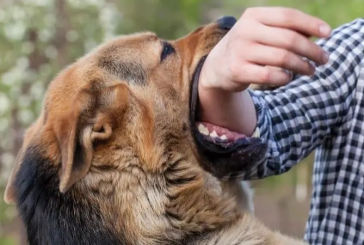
264 76
312 51
287 14
314 54
310 69
240 30
234 70
292 40
318 51
248 11
284 58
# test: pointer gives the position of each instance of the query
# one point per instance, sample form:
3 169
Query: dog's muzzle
225 161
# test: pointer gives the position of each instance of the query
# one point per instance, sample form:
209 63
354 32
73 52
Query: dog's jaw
225 161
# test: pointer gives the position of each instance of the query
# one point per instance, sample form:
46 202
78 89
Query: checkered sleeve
298 117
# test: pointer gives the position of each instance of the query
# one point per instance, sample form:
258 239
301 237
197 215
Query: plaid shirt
323 112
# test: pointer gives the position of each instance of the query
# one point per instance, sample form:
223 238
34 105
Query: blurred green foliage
40 37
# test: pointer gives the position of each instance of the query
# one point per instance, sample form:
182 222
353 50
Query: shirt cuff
256 133
264 128
260 114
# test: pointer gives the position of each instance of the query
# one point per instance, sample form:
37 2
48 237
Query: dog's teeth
202 129
214 134
223 137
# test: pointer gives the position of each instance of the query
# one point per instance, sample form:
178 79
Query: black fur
53 218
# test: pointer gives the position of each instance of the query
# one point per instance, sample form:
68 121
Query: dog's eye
167 50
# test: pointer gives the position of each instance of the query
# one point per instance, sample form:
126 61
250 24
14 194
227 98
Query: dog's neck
183 202
52 217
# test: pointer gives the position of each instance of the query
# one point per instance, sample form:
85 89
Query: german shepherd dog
117 155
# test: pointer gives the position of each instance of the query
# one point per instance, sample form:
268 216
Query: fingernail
325 57
325 29
289 73
312 68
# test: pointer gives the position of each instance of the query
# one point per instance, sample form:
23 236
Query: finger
291 19
252 73
272 56
290 40
290 73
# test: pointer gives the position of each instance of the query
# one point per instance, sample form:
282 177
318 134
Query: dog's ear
73 129
9 196
76 134
74 141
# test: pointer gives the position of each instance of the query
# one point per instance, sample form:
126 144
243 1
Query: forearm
244 57
296 118
241 115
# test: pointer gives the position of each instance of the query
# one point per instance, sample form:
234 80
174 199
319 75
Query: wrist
223 107
206 80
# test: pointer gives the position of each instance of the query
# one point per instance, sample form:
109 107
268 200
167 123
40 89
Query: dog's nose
226 22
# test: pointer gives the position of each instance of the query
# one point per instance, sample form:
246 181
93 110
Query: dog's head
118 133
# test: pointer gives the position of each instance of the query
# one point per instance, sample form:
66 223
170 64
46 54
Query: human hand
272 36
263 44
265 36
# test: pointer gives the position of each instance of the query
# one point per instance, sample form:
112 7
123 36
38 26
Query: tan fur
128 112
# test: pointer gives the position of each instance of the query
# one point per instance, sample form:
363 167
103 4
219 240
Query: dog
118 156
